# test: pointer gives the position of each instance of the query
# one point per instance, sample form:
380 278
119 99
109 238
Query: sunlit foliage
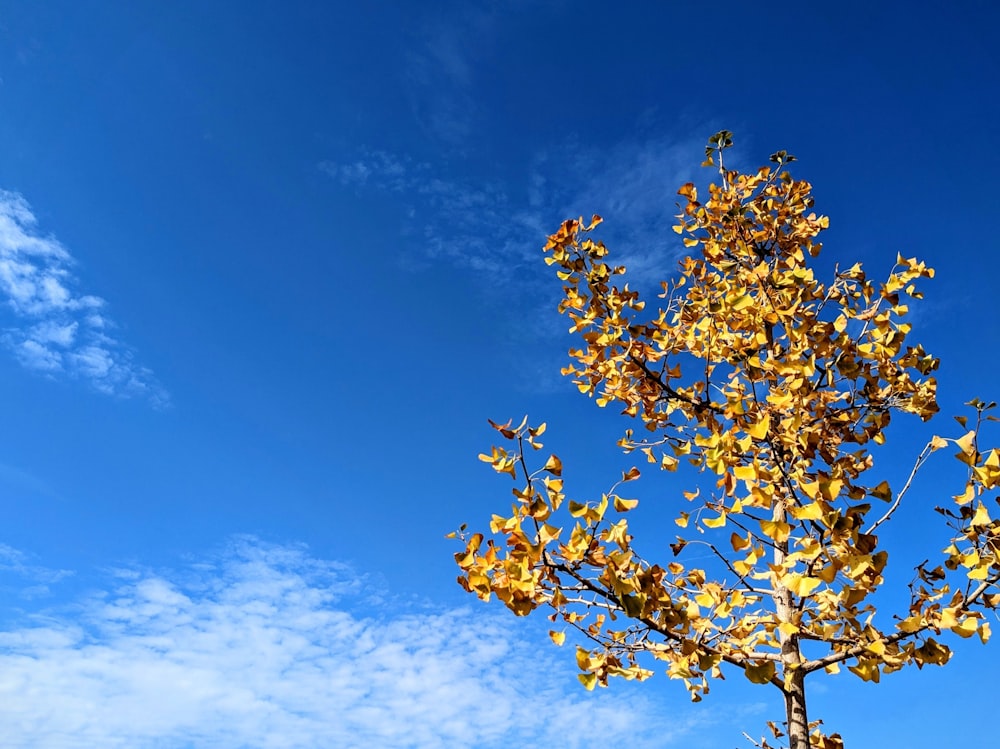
779 387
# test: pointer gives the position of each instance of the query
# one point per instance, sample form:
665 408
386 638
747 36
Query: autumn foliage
779 387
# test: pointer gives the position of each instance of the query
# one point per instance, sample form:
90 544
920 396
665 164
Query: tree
779 389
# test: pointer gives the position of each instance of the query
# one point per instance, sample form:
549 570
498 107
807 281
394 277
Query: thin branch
924 454
669 391
729 566
967 602
740 660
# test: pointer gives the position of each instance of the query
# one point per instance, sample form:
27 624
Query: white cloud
440 72
633 185
36 355
386 171
16 563
266 646
50 331
499 229
55 329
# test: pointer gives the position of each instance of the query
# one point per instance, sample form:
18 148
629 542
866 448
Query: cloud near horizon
266 646
54 329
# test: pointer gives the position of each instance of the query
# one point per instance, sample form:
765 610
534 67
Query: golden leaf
631 475
882 491
800 585
966 628
967 443
717 522
760 673
624 505
809 511
776 530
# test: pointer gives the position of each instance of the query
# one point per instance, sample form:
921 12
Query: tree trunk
794 688
795 710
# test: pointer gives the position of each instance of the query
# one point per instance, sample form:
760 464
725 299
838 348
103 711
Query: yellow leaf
800 585
966 628
557 637
669 463
588 680
759 430
932 652
967 496
867 670
788 628
809 488
966 443
738 542
548 533
553 465
876 648
911 624
882 491
742 302
760 674
776 530
828 574
704 600
831 489
624 505
631 475
718 522
601 507
948 618
810 511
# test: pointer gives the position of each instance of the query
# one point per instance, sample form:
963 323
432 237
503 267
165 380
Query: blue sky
266 269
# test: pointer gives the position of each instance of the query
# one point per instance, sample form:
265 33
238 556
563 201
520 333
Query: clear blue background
316 228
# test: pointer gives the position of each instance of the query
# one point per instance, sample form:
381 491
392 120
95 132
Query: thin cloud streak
266 646
633 186
57 330
498 229
15 563
440 74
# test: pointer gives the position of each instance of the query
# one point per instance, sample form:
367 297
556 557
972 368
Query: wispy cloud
15 563
632 184
496 229
440 72
267 646
467 222
499 228
56 329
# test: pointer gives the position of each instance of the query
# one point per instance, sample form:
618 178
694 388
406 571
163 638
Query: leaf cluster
779 387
